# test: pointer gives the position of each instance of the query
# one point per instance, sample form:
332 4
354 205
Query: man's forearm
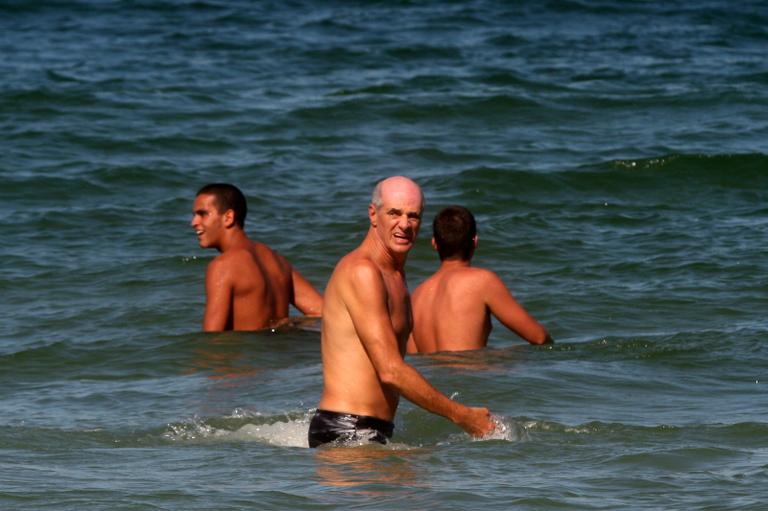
416 389
306 298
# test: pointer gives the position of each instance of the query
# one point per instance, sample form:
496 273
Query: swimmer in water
452 308
248 285
366 323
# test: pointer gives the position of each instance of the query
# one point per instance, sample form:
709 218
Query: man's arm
366 302
218 290
411 346
511 314
305 297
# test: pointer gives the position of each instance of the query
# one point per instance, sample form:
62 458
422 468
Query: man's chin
402 247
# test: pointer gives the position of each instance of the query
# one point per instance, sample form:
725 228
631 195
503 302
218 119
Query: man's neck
450 264
234 239
382 256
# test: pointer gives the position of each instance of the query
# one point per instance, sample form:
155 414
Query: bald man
366 324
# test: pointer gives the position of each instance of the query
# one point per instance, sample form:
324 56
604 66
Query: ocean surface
615 155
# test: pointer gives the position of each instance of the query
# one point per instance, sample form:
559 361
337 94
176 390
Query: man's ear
475 240
372 214
229 218
434 243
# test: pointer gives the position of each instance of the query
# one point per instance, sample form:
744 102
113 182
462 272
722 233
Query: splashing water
286 432
506 429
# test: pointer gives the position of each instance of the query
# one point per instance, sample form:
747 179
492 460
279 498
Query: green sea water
614 154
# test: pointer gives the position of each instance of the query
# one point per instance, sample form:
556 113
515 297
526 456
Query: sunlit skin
367 320
397 221
207 222
452 309
248 286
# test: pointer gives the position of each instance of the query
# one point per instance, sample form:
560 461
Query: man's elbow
214 324
315 309
390 375
309 305
541 337
208 327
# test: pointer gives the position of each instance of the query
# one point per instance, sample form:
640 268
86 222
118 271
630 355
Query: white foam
285 434
288 432
506 429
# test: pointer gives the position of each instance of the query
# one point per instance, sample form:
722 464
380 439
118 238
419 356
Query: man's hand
477 422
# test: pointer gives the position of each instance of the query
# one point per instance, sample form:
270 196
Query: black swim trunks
338 427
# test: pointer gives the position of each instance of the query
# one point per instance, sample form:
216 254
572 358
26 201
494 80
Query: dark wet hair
454 229
227 197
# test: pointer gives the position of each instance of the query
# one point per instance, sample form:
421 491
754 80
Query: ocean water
615 155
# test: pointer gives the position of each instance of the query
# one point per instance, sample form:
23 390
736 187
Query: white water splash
506 429
286 432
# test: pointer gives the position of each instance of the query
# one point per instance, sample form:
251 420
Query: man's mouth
402 237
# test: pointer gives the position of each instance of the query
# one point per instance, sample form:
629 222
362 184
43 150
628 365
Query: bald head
396 187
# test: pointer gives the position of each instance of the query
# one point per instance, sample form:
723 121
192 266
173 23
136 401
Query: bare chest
399 303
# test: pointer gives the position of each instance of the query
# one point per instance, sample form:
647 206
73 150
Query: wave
745 171
80 353
599 428
289 429
617 190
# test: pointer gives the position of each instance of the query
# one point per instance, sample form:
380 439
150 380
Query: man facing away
452 308
248 286
366 323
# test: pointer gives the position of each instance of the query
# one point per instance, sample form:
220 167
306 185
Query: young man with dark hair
452 308
248 286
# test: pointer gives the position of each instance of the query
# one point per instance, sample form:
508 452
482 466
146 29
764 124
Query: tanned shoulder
362 271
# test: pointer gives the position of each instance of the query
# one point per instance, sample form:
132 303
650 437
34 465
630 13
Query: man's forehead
402 203
205 200
402 195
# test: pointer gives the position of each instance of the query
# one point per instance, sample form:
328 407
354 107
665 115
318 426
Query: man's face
207 222
398 219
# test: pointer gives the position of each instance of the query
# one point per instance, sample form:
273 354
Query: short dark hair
454 229
227 197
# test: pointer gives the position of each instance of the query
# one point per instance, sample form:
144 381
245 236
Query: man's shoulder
471 281
223 267
428 283
473 273
243 257
487 279
265 252
478 272
354 276
231 256
356 265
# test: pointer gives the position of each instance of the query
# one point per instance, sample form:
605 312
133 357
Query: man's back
450 311
248 286
260 282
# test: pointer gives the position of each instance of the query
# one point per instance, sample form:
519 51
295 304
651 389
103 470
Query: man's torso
449 311
261 287
351 384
